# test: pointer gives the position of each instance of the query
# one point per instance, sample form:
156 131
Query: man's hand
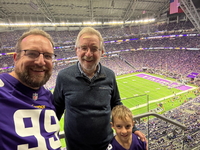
142 137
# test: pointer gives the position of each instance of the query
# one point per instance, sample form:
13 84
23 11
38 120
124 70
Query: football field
143 92
138 91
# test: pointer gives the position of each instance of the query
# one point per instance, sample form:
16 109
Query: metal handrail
137 118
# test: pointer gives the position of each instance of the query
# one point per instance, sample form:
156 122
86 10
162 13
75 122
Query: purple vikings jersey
136 144
27 117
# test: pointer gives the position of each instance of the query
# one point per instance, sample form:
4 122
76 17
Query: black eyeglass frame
53 56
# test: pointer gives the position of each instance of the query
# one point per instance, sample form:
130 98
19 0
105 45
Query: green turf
136 92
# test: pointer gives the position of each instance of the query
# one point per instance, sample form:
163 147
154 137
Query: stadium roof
12 11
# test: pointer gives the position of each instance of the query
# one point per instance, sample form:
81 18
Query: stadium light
25 24
92 23
113 23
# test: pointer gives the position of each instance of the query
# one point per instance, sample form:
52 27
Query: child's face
123 129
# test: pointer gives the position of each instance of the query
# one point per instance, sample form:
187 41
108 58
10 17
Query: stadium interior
141 36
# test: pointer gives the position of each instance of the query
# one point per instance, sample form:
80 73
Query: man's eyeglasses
33 54
92 49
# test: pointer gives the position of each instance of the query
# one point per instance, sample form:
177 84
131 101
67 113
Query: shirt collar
80 69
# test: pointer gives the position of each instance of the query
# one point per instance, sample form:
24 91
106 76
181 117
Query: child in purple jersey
28 120
122 123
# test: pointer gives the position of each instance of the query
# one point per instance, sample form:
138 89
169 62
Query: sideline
161 99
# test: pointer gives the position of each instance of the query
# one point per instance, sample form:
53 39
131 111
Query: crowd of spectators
9 38
175 61
165 136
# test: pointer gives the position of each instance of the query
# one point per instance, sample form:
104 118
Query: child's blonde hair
121 112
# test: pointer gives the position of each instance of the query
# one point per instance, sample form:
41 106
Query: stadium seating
127 56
